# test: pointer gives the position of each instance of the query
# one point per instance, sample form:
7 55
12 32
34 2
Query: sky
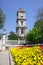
10 8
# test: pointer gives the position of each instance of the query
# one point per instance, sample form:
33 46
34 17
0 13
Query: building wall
21 14
19 23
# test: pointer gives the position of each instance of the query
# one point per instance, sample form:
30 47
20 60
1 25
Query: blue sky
10 8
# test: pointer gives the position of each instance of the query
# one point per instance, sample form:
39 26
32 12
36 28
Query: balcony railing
14 42
21 18
21 25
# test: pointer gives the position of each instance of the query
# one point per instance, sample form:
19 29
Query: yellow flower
39 63
27 56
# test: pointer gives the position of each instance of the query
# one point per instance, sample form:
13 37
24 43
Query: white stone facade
21 23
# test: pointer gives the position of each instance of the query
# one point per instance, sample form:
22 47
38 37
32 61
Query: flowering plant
27 55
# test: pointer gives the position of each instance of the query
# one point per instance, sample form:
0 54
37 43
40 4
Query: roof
21 10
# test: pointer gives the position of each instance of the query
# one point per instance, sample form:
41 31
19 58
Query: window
21 16
21 31
21 22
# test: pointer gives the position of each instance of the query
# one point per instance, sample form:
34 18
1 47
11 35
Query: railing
10 43
21 25
13 42
21 18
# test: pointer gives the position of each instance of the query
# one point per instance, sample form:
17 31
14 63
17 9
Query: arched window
21 22
21 31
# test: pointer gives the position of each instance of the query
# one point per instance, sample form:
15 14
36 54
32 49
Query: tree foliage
33 35
39 24
36 34
40 14
2 19
12 36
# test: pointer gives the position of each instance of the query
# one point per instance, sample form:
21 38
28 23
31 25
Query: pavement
4 58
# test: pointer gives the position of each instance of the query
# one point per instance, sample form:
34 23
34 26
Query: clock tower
21 23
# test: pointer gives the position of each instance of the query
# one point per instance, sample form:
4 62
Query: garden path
4 58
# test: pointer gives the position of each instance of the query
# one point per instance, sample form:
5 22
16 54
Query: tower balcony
21 26
21 18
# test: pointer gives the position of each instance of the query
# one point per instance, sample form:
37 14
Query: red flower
41 47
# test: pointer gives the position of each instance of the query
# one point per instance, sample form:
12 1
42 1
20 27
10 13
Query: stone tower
21 23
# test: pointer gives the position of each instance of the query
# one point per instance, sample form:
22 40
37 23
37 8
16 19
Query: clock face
21 14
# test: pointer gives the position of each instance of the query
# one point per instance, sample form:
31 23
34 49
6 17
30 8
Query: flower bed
27 55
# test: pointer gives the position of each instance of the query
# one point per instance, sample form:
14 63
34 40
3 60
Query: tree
39 24
2 19
12 36
33 35
40 14
36 34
